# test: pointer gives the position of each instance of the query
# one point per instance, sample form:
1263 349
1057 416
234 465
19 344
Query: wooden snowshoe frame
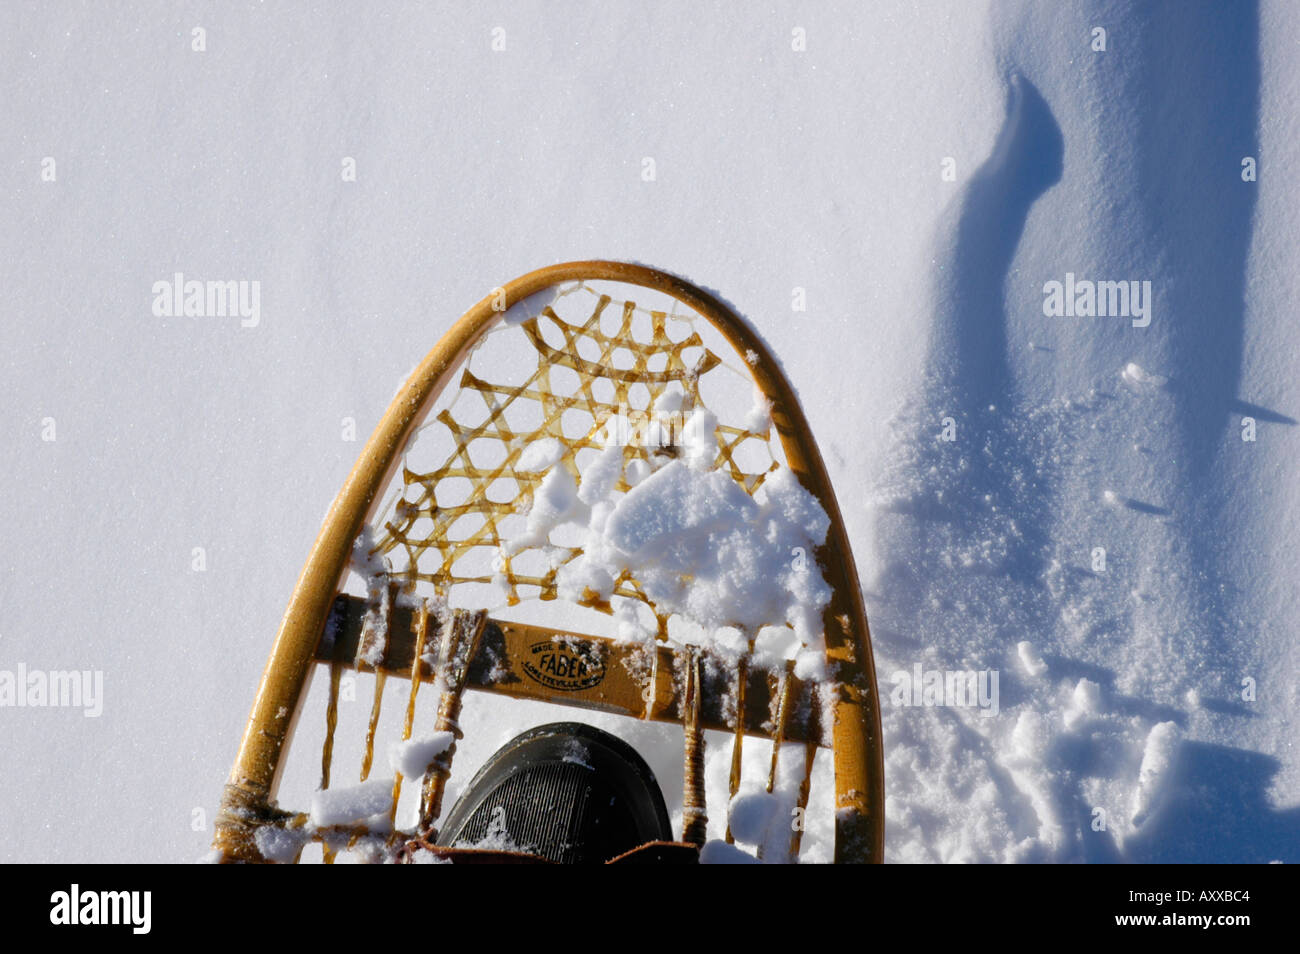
470 640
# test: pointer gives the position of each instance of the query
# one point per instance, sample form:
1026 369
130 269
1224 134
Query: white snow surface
1104 513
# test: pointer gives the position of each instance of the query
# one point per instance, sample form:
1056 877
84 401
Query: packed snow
1098 503
700 546
412 757
341 804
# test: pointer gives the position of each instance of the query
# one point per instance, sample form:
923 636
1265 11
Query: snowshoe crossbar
591 672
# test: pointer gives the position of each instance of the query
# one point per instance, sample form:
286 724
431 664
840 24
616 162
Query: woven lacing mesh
446 515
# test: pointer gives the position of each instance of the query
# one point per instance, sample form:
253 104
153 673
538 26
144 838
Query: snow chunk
636 471
540 455
700 439
705 549
1030 659
1030 738
752 814
365 851
810 664
1135 377
338 806
674 505
699 544
555 502
670 401
413 757
600 476
1157 759
759 418
280 845
718 852
1085 703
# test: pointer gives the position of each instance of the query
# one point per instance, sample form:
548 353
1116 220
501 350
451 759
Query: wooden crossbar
591 672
